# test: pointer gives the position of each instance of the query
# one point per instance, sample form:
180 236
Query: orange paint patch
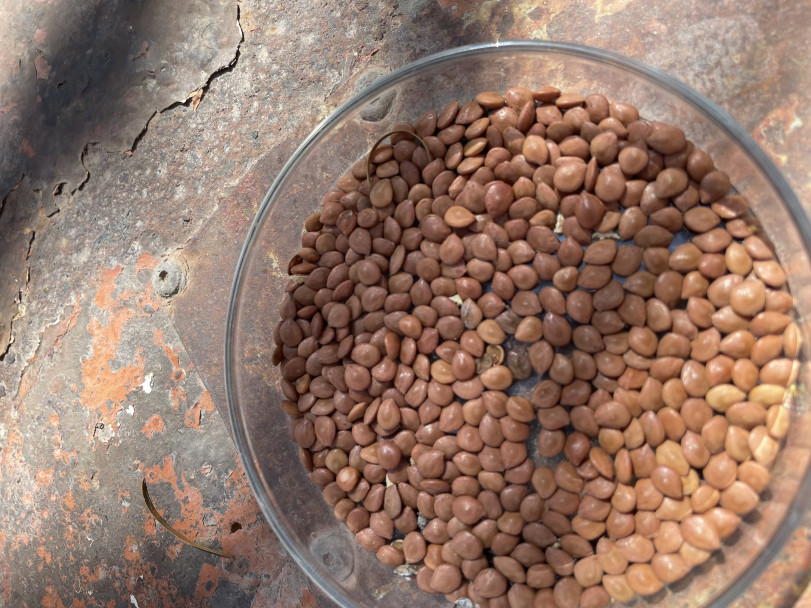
194 414
107 286
86 483
20 540
153 425
105 389
90 576
90 519
44 555
145 262
44 478
308 600
51 599
68 503
207 583
192 418
206 401
162 472
178 396
177 371
192 511
131 551
150 526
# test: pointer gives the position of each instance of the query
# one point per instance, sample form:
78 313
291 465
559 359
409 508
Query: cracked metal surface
96 72
97 390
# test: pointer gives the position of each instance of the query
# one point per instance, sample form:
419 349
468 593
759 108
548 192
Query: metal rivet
169 277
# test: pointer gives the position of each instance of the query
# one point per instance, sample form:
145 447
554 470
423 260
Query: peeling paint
154 425
146 386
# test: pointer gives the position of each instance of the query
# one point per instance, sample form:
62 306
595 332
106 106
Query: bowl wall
324 547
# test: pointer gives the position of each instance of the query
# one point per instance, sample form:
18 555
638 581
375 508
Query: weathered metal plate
76 73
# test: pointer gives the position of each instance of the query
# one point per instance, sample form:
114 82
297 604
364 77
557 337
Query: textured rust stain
105 388
52 337
153 425
172 353
146 262
776 127
194 413
59 454
606 8
207 582
308 600
51 599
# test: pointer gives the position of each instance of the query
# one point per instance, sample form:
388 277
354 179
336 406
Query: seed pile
537 269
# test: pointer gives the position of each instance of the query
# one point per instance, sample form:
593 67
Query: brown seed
632 160
459 217
642 579
700 533
510 568
587 571
667 481
670 454
567 593
669 538
714 185
612 414
498 377
666 139
739 498
669 567
748 298
446 578
490 583
720 471
490 332
636 548
670 182
618 587
724 521
763 447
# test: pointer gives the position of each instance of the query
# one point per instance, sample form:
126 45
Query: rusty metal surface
96 72
93 343
91 74
212 256
15 242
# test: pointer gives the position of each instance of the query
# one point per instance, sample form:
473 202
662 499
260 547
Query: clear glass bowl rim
673 86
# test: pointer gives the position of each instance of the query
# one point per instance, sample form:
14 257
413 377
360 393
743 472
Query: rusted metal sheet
97 71
199 311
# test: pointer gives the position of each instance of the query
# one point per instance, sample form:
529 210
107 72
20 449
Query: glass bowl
322 546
